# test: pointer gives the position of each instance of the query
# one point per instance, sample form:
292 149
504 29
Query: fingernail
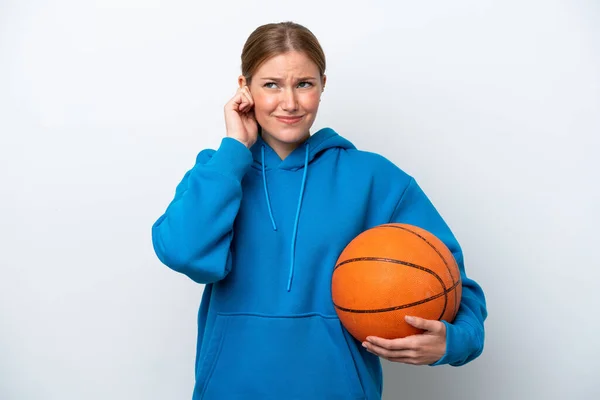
364 345
409 318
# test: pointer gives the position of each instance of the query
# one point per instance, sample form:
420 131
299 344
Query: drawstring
296 220
295 233
265 185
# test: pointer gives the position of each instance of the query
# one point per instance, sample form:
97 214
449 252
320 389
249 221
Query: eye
269 83
308 83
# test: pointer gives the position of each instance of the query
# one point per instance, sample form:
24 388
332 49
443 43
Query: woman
262 220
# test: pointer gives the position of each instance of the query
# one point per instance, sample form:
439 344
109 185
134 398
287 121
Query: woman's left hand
421 349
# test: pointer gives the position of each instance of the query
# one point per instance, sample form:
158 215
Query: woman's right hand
240 121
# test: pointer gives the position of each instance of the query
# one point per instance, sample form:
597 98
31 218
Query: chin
291 134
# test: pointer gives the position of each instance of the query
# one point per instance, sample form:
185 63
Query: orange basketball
390 271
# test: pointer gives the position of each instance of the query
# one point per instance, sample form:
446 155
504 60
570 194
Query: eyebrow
306 78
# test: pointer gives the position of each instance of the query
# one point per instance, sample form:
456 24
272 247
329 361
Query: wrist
244 142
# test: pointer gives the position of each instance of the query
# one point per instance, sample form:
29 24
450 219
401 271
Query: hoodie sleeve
194 234
465 335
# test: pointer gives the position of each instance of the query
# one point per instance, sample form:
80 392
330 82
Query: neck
283 149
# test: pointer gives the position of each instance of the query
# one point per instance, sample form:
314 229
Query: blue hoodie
264 235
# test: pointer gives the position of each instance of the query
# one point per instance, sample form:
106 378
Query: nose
289 102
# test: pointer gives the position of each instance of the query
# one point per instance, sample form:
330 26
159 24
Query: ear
323 81
242 81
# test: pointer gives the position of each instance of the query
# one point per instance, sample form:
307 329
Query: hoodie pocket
252 356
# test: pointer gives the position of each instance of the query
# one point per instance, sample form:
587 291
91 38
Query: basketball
390 271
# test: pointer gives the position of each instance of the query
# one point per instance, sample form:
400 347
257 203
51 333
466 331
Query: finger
379 351
389 354
252 115
242 96
390 344
248 116
246 92
425 324
245 106
405 360
237 103
246 97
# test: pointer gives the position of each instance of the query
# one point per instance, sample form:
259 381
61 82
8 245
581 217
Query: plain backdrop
492 105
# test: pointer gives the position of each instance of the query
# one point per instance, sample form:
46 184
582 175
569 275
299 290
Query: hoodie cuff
232 158
460 342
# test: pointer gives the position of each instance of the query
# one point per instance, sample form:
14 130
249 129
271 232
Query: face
287 85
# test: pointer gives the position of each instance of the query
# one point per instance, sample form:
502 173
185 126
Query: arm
465 336
194 234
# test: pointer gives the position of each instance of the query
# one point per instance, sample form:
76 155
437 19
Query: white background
492 105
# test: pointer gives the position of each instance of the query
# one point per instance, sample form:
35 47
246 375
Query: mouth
290 120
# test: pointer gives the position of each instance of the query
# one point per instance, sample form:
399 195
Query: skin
285 85
290 84
421 349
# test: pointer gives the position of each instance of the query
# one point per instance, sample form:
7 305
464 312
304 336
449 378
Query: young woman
262 220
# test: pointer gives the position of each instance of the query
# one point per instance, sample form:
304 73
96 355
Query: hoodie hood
265 158
320 141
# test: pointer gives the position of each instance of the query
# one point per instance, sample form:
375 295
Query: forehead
288 64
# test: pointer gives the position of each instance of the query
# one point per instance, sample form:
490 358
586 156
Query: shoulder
377 165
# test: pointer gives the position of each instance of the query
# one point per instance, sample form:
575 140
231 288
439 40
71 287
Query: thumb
421 323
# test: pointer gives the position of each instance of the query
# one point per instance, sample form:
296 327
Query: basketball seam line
416 303
394 261
406 263
438 253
